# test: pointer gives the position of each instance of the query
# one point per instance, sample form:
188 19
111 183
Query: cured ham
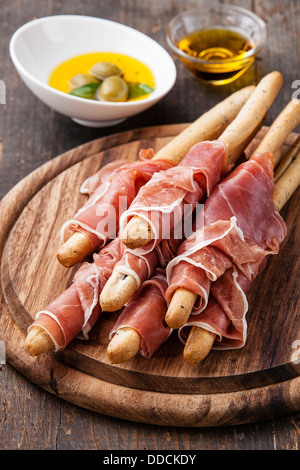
77 309
75 312
225 312
110 192
145 313
143 265
135 268
241 229
203 166
163 201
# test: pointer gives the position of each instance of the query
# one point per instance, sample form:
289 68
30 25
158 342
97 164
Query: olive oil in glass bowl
217 43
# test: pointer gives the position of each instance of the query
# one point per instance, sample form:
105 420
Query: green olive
103 70
113 89
81 79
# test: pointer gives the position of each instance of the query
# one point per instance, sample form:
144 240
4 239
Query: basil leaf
138 89
86 91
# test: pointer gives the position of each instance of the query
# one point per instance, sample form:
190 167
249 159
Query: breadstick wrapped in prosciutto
182 299
163 200
132 270
75 312
141 327
240 228
222 325
142 225
224 316
97 221
115 186
186 184
77 309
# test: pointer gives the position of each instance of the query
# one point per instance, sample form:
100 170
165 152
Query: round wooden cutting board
258 382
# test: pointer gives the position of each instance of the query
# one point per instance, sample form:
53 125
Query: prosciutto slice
172 195
241 229
225 312
75 312
77 309
145 313
143 266
110 192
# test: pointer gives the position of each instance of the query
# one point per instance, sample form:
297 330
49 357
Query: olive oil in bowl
217 55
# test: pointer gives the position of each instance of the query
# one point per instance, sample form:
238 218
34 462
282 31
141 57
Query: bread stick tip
38 342
74 250
124 345
180 308
137 233
198 345
117 291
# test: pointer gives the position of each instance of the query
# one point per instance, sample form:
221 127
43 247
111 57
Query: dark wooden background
31 134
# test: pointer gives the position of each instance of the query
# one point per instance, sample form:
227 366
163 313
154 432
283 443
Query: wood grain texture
31 418
212 394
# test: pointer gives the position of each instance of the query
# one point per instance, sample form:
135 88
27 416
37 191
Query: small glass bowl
237 19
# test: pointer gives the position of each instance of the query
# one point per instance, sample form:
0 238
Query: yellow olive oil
223 52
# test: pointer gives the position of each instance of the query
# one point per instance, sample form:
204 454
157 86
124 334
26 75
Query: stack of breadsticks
150 315
49 334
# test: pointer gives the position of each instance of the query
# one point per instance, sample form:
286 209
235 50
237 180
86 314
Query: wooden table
31 134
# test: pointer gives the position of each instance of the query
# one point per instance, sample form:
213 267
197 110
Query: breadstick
287 183
137 233
117 291
280 130
207 127
177 316
287 160
180 307
252 112
124 345
38 341
235 136
198 346
74 250
238 151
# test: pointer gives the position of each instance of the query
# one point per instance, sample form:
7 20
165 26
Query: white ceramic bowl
42 44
